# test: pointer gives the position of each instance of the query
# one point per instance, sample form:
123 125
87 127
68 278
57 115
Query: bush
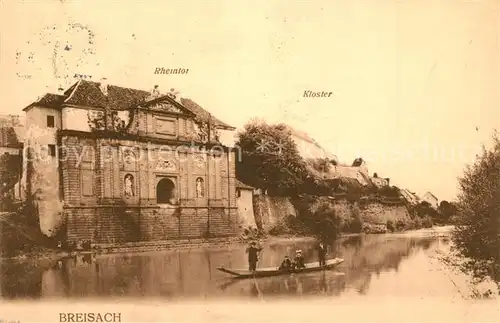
476 235
355 223
416 224
400 225
316 215
390 226
374 228
427 222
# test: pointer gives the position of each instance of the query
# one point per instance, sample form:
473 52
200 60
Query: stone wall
41 178
245 208
271 210
97 208
372 212
115 225
378 213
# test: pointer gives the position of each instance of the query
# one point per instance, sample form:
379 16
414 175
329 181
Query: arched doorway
165 191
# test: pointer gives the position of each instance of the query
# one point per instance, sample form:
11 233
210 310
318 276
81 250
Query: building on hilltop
431 199
130 165
11 148
410 197
379 181
353 176
356 173
308 147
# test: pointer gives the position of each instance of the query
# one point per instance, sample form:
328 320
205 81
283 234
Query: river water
375 265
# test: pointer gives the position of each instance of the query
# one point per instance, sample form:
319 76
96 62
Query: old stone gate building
129 165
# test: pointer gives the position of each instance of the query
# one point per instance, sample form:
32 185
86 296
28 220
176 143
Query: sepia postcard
249 161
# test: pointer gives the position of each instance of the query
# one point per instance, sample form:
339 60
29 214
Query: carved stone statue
129 185
199 187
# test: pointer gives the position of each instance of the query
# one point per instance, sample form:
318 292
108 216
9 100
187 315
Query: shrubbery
317 216
390 226
476 236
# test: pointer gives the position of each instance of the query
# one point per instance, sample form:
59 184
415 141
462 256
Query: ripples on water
372 266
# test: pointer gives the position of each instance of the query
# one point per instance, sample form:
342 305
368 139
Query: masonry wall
97 208
271 210
245 208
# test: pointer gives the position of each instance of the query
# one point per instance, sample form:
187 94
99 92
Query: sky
415 83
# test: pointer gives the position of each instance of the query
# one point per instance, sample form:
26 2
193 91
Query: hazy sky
411 79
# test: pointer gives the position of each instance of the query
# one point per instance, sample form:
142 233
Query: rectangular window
52 150
51 122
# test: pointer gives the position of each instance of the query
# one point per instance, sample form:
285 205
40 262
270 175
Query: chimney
104 86
60 90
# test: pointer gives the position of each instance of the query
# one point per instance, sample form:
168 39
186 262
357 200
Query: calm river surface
375 265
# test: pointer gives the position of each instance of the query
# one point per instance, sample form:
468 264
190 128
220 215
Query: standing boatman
321 247
253 255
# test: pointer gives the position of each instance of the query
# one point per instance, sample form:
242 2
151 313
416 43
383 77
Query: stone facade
97 206
150 170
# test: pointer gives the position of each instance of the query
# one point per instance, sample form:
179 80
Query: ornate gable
166 104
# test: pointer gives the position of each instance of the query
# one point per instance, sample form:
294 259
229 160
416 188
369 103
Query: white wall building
431 199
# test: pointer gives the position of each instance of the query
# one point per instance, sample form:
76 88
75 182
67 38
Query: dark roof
87 93
202 113
432 195
11 137
243 185
49 100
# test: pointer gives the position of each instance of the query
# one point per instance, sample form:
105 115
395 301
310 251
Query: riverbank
46 255
374 266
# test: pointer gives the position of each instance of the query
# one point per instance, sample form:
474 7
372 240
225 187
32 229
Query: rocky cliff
271 211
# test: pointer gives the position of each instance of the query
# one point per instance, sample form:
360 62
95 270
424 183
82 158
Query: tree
424 209
321 165
270 158
389 191
477 234
446 211
9 170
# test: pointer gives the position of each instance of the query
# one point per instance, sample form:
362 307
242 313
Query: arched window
200 187
165 191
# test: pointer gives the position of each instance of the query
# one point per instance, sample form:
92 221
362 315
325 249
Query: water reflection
192 273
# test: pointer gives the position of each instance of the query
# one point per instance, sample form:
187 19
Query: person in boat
286 264
321 247
299 260
253 255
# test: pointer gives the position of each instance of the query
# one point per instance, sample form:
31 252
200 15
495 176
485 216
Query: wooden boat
274 271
